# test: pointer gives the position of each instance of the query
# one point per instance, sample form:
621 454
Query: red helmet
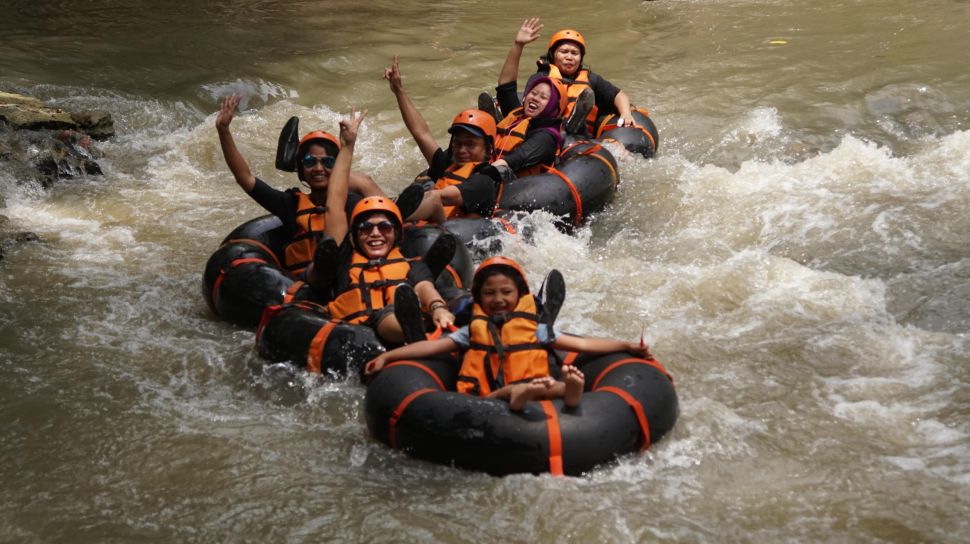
476 119
498 261
377 204
565 35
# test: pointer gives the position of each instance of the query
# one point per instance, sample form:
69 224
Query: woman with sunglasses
370 265
460 189
302 214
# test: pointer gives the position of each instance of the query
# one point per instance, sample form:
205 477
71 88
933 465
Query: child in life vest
506 344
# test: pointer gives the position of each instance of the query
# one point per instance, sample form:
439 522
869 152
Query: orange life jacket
513 352
510 133
456 174
573 88
298 254
371 287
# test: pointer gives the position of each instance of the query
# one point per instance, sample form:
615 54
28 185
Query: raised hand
392 74
350 126
227 111
529 31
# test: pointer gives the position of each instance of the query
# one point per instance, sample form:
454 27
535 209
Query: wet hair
495 270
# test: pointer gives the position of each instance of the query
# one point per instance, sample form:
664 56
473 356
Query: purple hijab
551 110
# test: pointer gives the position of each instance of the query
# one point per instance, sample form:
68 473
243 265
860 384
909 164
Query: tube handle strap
260 245
222 275
399 411
314 356
637 411
578 218
631 360
420 366
269 312
555 437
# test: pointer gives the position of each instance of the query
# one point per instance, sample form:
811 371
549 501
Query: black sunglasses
327 162
384 227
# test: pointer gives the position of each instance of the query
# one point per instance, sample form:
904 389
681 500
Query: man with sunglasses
370 265
302 214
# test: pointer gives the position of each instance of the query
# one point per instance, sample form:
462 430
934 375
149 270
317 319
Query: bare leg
521 393
389 330
430 209
574 380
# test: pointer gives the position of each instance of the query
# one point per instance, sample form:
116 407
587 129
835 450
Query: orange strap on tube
555 437
260 245
314 356
576 196
637 412
399 411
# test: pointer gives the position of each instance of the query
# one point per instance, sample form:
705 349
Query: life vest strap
507 349
374 263
313 210
555 437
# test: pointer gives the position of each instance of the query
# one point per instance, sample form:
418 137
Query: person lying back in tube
369 264
529 136
506 347
302 214
460 189
563 62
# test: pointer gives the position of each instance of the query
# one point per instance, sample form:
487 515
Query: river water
797 253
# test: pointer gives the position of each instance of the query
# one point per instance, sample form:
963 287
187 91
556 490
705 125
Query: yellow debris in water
777 42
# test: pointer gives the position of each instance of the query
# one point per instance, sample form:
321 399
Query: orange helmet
569 35
318 136
476 119
377 204
477 280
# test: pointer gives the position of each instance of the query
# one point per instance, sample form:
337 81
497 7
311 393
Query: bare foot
574 379
524 392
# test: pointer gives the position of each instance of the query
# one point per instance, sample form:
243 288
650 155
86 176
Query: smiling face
567 57
536 100
499 294
316 175
466 147
375 236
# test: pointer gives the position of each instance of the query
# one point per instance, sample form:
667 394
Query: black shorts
478 194
375 319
